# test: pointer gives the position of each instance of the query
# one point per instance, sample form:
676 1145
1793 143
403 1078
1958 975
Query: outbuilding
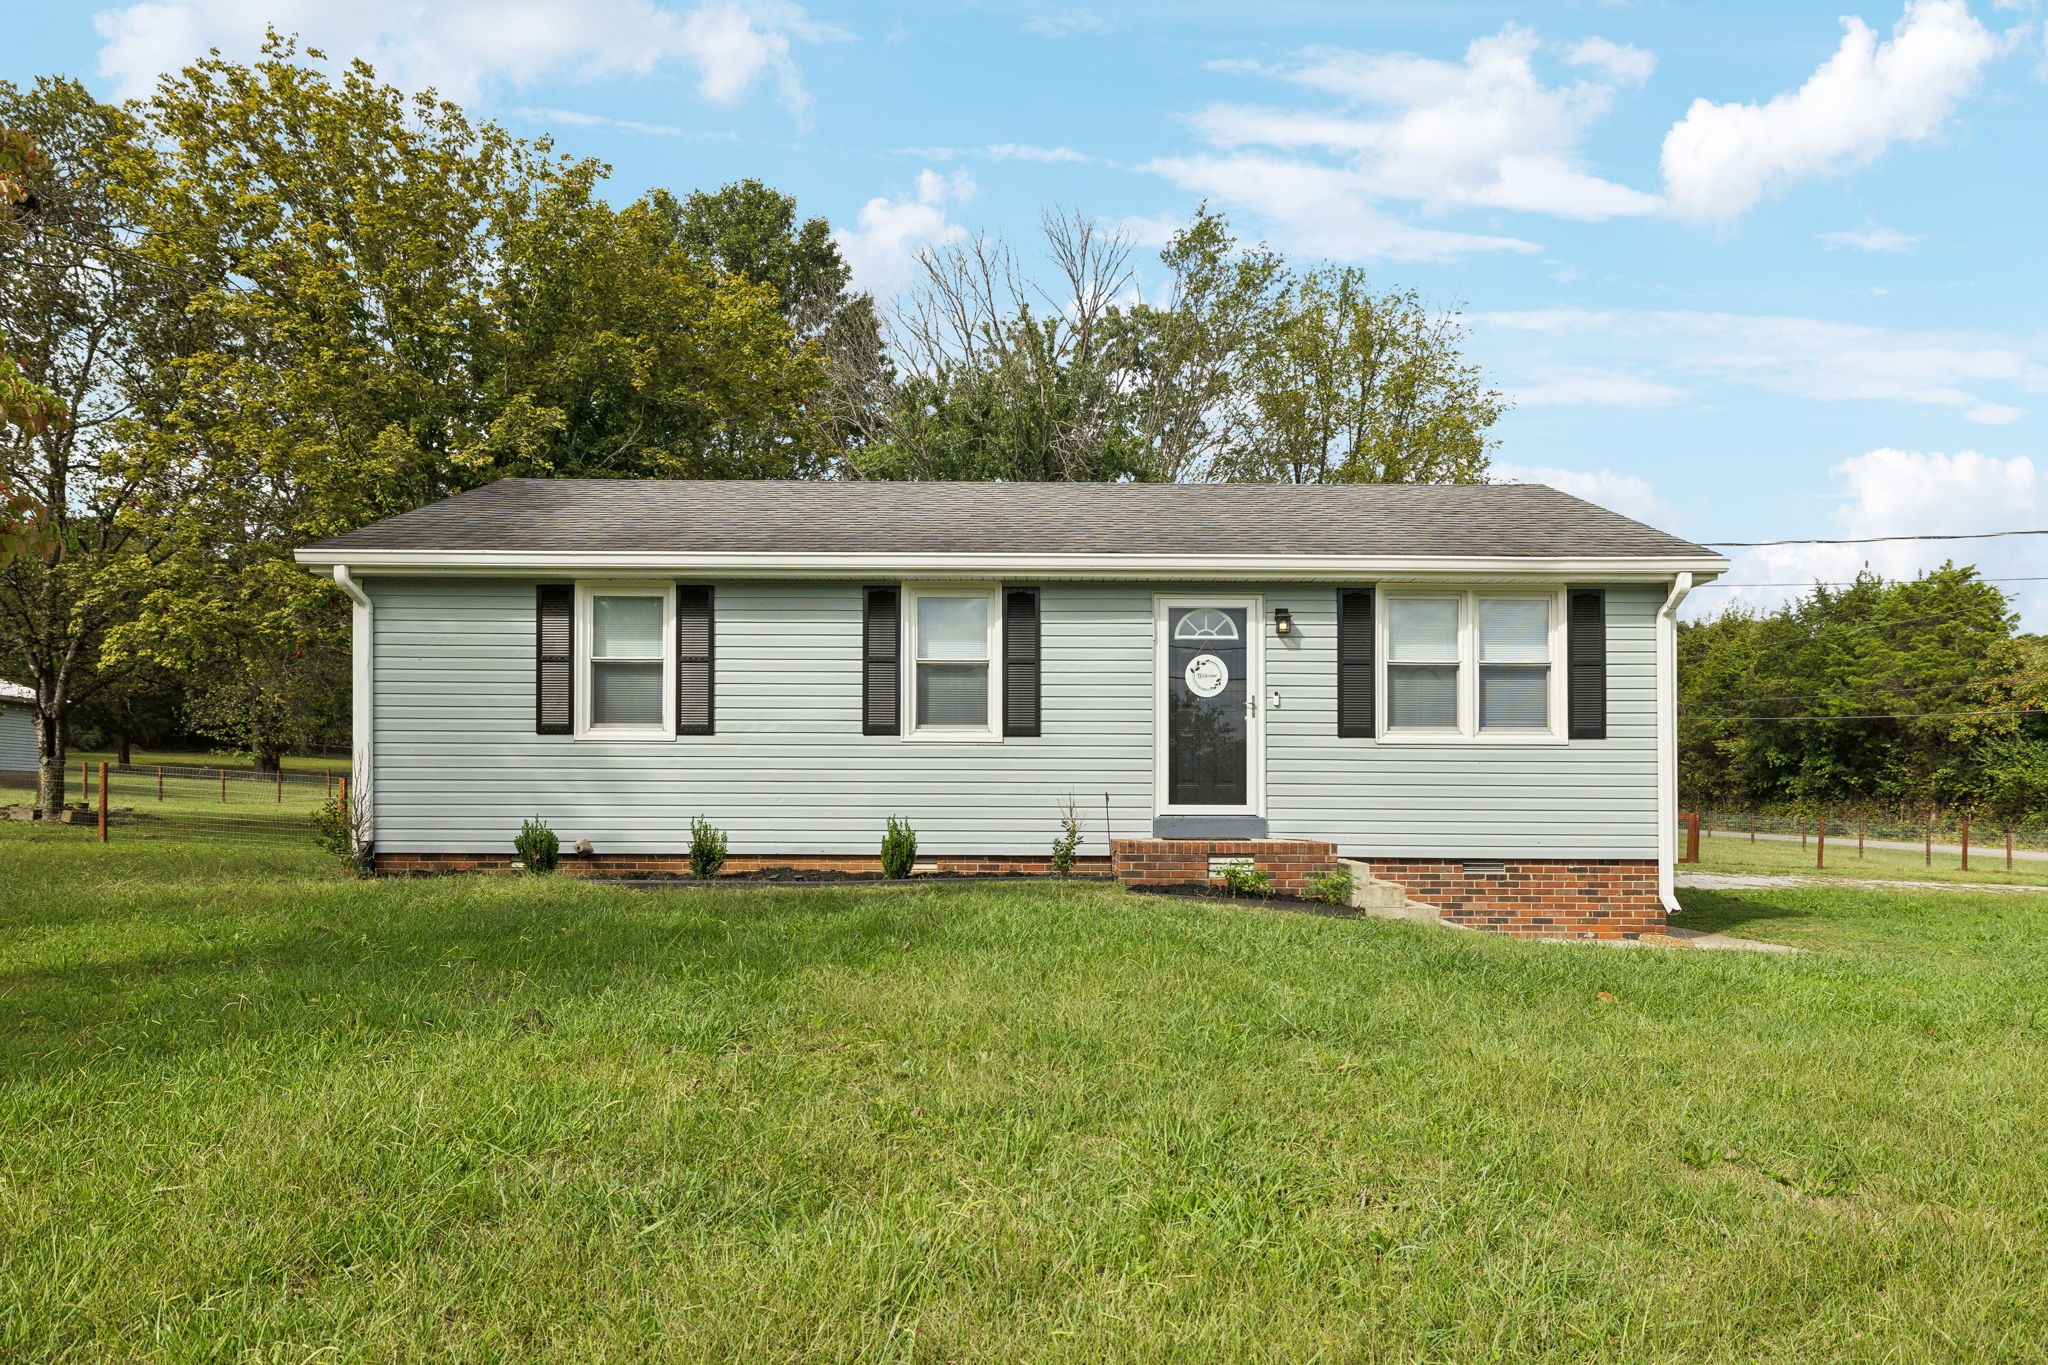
1467 689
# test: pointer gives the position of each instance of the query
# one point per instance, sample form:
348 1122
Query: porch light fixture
1283 622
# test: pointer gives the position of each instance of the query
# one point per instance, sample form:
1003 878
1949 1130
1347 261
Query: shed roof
551 517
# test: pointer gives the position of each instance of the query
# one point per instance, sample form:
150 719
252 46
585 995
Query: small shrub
899 848
1069 843
707 847
1245 880
539 849
338 829
1331 888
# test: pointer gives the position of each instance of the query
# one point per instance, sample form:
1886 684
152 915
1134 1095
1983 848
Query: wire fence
154 799
1947 840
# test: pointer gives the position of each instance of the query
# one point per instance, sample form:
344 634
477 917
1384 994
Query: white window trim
1468 731
992 733
586 629
1163 605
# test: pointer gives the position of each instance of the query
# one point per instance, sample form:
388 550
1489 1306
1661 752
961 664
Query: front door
1209 697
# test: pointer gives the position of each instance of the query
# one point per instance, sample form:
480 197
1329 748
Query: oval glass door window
1207 675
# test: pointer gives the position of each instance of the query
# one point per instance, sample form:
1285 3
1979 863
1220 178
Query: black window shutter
696 643
881 683
1020 661
554 659
1586 663
1356 713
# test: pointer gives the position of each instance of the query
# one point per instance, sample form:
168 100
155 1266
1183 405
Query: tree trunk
121 750
269 760
52 782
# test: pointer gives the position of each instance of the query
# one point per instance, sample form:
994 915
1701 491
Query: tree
393 303
76 292
1358 387
1243 369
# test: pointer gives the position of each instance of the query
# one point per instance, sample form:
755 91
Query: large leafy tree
393 303
1244 368
78 300
1880 694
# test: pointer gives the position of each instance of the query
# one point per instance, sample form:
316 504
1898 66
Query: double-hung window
627 647
1472 665
953 634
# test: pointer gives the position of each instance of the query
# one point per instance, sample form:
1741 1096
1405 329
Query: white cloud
463 47
1624 493
1870 239
1809 358
1889 492
577 118
1622 63
882 249
1577 387
1065 23
1024 151
1720 159
1993 414
1485 132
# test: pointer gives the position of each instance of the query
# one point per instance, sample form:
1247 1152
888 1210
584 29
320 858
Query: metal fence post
1859 838
84 782
1966 843
159 782
103 803
1820 843
223 786
280 784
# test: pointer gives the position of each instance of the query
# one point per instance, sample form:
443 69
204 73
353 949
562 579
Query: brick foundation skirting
1185 862
678 864
1537 897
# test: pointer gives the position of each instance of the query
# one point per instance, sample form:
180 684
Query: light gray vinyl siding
17 739
1586 799
458 766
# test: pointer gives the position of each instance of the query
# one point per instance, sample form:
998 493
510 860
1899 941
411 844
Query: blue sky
1751 271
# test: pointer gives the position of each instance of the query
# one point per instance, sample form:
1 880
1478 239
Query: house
1468 689
17 732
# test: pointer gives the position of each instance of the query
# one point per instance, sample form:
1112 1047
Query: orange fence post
1966 843
1930 841
341 801
1820 843
1691 821
103 803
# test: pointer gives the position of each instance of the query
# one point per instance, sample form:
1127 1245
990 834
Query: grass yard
1732 852
250 1111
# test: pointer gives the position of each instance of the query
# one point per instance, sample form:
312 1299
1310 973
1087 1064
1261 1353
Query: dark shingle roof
554 516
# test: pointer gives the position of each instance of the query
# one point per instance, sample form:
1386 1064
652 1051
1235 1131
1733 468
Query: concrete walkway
1990 848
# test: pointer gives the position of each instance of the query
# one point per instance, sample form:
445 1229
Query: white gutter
1667 743
1187 567
362 792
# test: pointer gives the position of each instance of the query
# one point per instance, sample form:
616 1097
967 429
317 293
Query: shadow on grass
1721 912
375 958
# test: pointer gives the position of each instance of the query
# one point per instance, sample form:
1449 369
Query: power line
2024 578
1871 540
1908 715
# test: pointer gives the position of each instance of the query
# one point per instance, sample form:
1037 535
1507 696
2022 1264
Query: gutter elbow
351 587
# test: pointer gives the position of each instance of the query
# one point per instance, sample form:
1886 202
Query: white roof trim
15 692
1209 567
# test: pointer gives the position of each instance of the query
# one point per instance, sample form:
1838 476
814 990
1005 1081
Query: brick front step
1186 862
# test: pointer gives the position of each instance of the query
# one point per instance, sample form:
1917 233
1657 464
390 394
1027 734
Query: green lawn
250 1111
1733 852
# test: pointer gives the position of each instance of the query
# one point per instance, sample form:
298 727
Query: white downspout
361 787
1667 743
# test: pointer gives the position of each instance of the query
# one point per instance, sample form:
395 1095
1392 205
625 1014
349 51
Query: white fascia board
1184 568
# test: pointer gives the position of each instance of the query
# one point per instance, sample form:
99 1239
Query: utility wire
1909 715
1871 540
2030 578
